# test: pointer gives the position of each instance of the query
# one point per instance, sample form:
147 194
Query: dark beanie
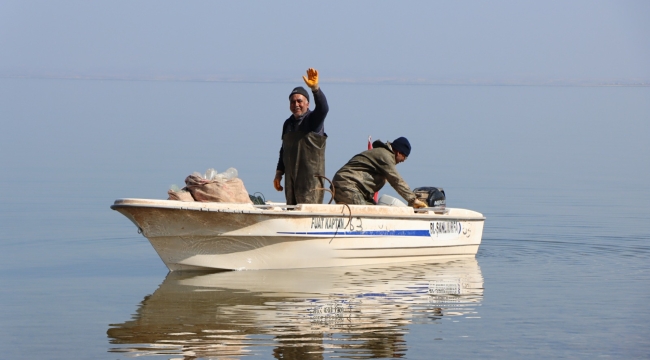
299 90
402 145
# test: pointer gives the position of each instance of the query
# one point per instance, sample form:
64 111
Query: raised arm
317 117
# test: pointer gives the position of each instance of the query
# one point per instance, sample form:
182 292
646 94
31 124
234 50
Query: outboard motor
432 196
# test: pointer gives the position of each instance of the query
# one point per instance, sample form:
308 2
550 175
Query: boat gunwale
260 210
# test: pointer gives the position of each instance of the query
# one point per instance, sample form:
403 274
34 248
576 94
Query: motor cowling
432 196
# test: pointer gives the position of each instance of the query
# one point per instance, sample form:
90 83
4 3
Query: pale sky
257 40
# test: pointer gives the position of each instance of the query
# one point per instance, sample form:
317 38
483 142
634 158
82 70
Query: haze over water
559 172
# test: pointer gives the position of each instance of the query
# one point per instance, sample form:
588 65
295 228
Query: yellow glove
276 181
311 79
418 204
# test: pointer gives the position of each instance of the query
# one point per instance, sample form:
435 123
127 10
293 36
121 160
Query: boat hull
203 236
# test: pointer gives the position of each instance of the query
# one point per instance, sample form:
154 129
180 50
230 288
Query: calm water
561 174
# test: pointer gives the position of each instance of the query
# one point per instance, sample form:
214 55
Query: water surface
560 173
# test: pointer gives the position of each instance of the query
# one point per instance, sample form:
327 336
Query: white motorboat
204 236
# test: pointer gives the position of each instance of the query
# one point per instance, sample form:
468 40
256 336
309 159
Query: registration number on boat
444 227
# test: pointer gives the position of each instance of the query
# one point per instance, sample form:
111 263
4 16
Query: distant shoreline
351 81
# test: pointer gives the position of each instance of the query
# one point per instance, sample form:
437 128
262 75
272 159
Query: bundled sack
231 191
180 195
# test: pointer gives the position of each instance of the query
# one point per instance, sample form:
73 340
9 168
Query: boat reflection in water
300 313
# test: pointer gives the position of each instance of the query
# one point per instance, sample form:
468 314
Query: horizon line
355 81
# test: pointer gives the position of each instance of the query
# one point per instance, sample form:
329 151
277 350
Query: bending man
302 154
366 173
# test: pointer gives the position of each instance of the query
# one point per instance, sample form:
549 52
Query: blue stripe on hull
361 233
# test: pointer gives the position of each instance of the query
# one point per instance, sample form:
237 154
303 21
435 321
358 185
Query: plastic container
210 174
230 174
387 200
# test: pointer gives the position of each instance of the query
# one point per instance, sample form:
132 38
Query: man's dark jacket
302 154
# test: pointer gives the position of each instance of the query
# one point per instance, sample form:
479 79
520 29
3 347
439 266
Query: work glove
311 79
418 204
276 181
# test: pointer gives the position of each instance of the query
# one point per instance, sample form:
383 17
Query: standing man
366 173
302 154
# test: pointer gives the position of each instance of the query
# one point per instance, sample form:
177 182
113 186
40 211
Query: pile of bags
212 187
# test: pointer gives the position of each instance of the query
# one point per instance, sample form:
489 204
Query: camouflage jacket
368 171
